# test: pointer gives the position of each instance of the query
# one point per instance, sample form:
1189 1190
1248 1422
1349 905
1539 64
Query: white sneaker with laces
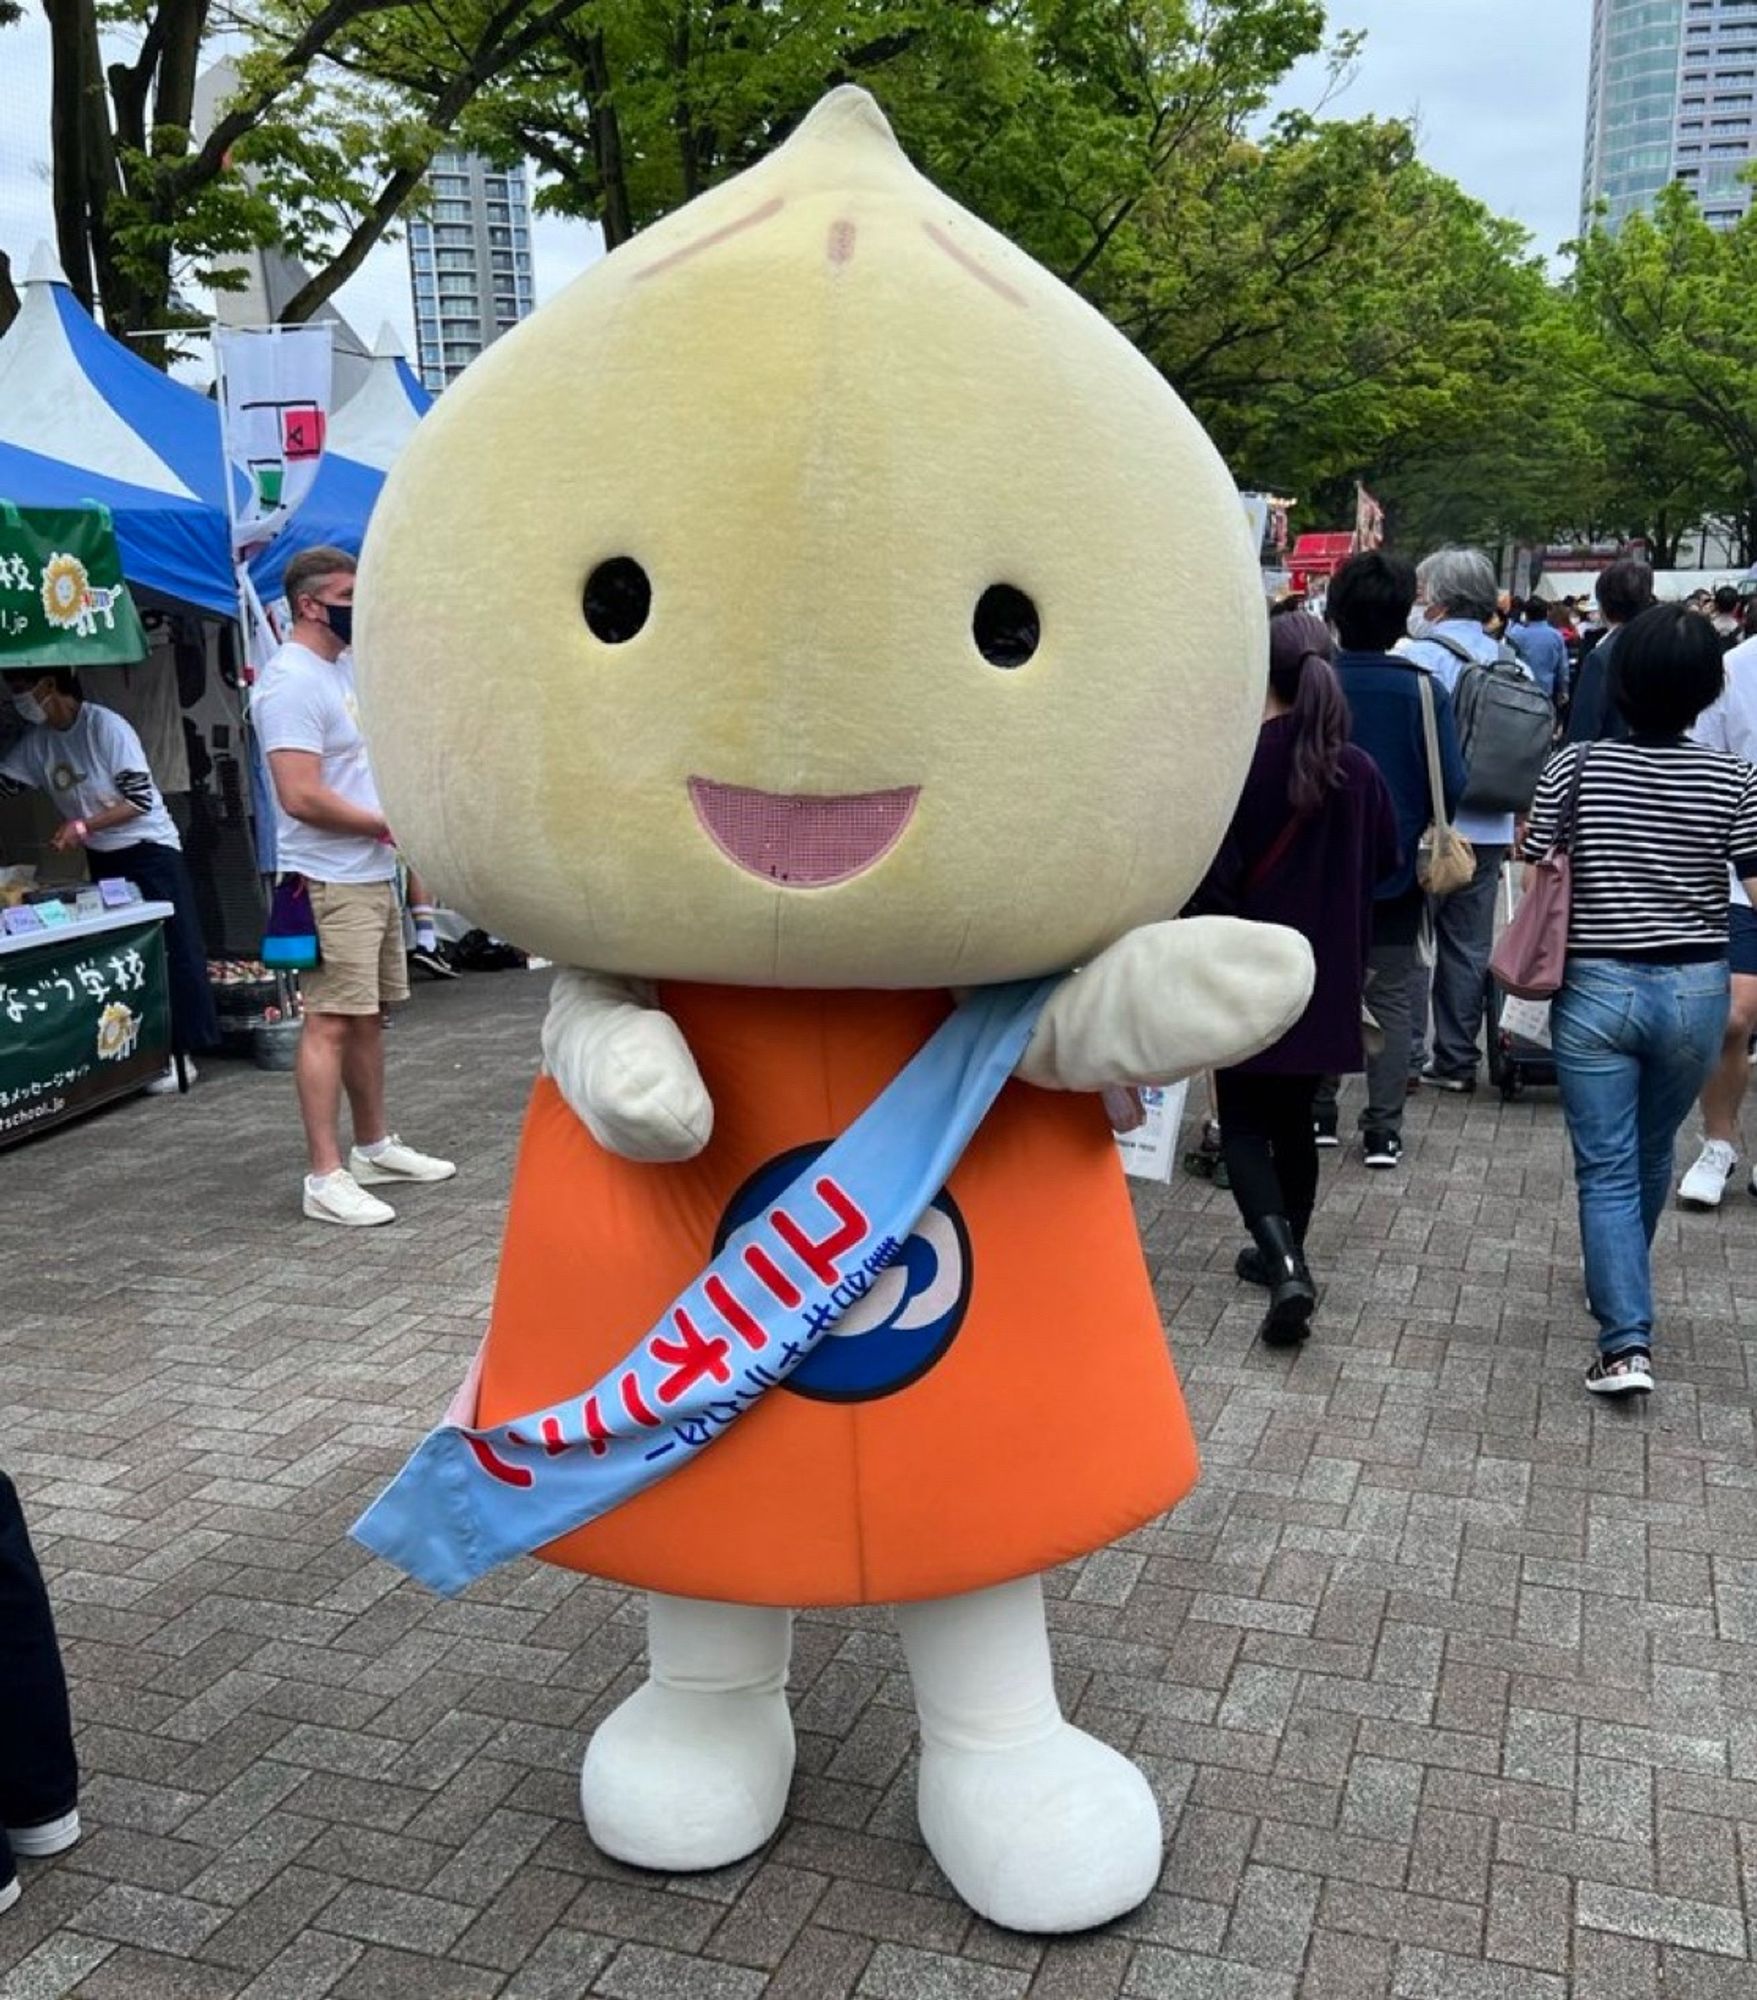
338 1197
165 1083
394 1161
1706 1182
48 1836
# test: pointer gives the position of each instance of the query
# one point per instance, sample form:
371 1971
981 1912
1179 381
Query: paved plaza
1446 1678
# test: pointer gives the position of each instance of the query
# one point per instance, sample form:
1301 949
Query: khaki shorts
360 934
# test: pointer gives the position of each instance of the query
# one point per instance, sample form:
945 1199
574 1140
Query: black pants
160 876
39 1778
1267 1141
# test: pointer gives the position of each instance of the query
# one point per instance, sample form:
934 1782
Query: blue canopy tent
175 548
82 418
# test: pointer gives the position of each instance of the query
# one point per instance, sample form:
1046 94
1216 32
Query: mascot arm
623 1066
1169 999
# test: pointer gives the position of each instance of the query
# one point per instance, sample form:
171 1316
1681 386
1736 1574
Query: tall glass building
469 262
1673 91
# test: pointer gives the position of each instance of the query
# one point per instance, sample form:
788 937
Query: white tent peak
389 344
45 266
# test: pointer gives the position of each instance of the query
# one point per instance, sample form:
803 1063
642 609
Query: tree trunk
616 211
68 110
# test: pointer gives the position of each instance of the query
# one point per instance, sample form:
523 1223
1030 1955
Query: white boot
692 1770
1037 1825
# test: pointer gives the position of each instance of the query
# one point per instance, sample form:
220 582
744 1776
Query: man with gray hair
1455 596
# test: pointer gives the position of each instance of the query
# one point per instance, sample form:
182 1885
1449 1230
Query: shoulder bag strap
1564 839
1430 730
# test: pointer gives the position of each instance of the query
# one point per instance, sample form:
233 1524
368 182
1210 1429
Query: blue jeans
1633 1047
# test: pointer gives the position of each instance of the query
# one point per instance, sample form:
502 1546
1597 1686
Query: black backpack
1506 729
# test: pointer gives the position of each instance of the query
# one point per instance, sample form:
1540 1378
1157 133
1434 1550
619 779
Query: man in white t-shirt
90 763
330 829
1730 724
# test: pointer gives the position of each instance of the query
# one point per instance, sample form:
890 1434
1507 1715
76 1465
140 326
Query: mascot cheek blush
824 636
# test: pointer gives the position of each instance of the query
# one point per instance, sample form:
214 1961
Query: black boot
1253 1268
1292 1295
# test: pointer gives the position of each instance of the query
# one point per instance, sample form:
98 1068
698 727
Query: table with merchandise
85 1011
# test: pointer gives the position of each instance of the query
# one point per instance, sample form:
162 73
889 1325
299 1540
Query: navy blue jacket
1384 705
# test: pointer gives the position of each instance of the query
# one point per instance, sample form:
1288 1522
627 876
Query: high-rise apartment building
1672 97
470 263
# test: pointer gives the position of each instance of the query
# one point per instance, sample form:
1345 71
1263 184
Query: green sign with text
63 602
81 1020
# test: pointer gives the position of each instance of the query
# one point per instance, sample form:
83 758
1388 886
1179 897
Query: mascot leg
692 1770
1038 1826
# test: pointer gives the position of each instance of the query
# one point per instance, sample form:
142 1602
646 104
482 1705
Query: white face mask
29 708
1418 620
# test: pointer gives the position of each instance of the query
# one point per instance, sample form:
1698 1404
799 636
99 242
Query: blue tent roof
84 419
178 548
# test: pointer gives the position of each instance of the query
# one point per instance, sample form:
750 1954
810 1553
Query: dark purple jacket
1322 887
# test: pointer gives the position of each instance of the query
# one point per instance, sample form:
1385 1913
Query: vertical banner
274 390
1369 520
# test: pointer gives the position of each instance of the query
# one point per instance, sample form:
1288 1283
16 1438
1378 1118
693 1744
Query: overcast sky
1498 88
1509 130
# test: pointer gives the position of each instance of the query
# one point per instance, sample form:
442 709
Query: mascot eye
618 598
1005 626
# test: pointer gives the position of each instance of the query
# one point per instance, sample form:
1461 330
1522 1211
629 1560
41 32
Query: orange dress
1014 1406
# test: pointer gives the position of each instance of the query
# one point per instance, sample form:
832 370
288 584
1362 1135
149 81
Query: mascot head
817 593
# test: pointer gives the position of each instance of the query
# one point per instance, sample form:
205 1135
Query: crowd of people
1422 739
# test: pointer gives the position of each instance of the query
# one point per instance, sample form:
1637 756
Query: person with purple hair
1314 833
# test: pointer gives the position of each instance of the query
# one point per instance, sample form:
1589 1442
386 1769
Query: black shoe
1324 1127
1630 1374
1292 1295
432 963
1381 1149
1251 1267
1461 1083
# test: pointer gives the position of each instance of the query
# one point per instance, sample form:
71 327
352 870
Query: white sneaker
1706 1182
49 1836
9 1894
165 1083
397 1162
338 1197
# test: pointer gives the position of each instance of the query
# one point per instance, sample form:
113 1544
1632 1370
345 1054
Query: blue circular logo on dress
904 1324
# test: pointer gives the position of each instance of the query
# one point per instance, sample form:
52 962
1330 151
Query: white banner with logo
274 390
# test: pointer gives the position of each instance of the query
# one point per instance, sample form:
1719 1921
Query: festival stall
84 994
84 422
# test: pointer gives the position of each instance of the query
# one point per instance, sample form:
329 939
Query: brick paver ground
1447 1679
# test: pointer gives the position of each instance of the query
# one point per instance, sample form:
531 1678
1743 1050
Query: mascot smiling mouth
802 840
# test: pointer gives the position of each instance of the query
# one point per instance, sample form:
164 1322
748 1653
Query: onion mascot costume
828 640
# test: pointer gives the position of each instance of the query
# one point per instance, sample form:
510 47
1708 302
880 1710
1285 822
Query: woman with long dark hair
1652 821
1313 835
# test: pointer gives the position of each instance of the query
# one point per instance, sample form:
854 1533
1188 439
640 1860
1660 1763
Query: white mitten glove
1169 999
623 1066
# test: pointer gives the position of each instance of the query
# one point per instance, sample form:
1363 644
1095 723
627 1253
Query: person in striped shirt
1638 1023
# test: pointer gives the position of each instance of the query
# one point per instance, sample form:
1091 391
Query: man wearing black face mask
330 829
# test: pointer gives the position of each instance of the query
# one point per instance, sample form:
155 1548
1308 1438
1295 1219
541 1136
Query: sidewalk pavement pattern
1447 1679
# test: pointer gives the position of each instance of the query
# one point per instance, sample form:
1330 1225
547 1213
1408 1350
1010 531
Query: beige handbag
1445 860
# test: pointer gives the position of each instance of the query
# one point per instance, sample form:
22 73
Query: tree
297 156
1056 119
1665 306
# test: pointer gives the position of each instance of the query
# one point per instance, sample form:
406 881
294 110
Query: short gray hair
1459 581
